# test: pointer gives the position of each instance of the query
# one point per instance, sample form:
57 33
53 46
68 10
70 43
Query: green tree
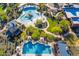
43 34
52 24
4 17
38 21
3 14
23 35
30 29
1 11
50 37
56 30
36 35
64 24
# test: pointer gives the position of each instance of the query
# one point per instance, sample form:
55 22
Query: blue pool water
29 14
37 48
72 10
29 8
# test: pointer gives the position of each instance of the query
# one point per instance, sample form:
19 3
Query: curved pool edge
21 49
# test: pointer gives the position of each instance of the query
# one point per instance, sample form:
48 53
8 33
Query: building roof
72 12
62 48
76 5
75 20
12 28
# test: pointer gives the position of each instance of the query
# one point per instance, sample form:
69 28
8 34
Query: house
13 29
72 13
75 21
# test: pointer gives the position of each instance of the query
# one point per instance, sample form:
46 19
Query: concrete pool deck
26 21
21 49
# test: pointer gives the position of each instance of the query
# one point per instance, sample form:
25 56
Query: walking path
3 29
45 30
59 36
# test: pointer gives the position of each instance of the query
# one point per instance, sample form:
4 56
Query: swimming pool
29 14
37 48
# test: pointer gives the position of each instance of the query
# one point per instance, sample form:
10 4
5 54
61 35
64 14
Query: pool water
29 14
37 48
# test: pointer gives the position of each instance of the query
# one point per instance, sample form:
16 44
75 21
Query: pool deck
26 21
21 47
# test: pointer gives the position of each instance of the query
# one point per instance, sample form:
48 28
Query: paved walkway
3 29
59 36
45 30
